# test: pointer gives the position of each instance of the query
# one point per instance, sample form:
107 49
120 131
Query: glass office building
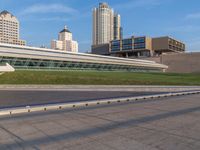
127 44
115 45
134 46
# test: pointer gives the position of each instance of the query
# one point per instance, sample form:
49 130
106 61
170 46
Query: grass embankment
98 78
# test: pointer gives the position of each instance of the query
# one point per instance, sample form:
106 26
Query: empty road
14 98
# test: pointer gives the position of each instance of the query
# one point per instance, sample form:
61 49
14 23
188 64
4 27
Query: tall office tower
121 33
117 27
106 24
65 42
9 29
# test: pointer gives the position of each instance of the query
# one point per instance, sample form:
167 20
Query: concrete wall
180 63
148 43
160 43
155 58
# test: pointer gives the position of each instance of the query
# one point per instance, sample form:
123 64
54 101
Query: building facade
167 44
132 47
101 49
140 47
117 27
9 29
106 24
65 42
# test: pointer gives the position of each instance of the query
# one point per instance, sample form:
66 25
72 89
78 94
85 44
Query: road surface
15 98
168 123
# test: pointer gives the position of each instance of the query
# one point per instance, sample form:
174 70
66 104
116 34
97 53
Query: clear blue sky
41 20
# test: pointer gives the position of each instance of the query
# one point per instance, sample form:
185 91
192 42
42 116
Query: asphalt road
15 98
165 124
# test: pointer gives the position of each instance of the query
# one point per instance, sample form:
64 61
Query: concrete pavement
168 123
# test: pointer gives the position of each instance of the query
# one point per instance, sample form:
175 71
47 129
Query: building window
115 45
139 40
139 46
127 44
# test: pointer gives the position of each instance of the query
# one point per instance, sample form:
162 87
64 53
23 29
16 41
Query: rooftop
103 5
5 12
65 30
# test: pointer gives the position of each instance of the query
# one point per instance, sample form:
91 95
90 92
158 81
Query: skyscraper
65 42
117 27
9 29
106 24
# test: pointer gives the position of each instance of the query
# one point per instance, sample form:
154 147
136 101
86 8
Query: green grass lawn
98 78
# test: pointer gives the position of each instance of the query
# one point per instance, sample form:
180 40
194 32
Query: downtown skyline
139 17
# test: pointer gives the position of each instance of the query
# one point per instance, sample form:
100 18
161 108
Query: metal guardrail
29 109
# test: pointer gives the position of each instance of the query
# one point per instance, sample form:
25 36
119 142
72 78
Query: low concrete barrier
29 109
132 88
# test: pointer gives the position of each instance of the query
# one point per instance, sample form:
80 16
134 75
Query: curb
136 88
29 109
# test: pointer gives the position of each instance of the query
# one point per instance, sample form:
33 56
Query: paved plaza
164 124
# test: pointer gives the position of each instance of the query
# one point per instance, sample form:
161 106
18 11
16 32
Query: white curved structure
6 68
24 56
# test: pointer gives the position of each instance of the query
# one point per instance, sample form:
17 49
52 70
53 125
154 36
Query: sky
41 20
